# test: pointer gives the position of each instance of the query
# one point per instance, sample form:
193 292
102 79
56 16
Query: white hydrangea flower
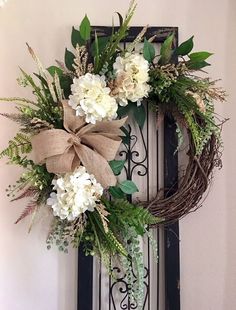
74 193
2 3
131 73
91 98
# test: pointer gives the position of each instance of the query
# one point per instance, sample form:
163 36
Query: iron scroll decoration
136 164
171 233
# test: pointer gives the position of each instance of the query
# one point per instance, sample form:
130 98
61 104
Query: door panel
151 164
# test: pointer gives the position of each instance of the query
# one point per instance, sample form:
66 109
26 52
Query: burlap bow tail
91 145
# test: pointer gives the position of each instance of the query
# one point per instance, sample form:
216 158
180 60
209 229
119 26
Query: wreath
70 134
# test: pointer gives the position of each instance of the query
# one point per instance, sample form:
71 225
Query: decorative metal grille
148 150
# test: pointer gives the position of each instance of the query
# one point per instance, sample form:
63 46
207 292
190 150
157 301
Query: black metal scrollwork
135 163
132 156
120 285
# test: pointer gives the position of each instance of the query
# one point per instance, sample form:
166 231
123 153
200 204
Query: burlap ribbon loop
81 143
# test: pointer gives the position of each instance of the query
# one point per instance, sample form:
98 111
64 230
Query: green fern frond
122 212
139 213
20 144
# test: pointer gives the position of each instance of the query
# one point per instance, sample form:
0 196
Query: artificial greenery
177 90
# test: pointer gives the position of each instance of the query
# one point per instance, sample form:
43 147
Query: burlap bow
91 145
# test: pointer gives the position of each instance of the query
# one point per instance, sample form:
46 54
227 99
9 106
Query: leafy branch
115 39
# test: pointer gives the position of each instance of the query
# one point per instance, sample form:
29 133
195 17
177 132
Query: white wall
33 278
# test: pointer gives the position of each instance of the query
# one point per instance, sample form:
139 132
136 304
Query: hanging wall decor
71 132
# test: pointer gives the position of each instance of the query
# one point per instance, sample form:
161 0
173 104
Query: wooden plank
85 281
172 261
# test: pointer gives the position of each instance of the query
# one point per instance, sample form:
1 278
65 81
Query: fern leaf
29 192
29 210
20 144
134 214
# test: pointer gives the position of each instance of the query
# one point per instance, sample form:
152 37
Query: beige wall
31 277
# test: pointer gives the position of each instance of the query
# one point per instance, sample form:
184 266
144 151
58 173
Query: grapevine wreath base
191 186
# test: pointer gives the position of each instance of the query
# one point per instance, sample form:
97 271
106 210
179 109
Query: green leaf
197 65
128 187
115 40
148 51
96 52
166 50
69 59
121 20
102 43
42 80
65 82
117 166
140 115
53 69
116 192
122 111
138 112
199 56
85 28
126 137
76 38
30 80
185 48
